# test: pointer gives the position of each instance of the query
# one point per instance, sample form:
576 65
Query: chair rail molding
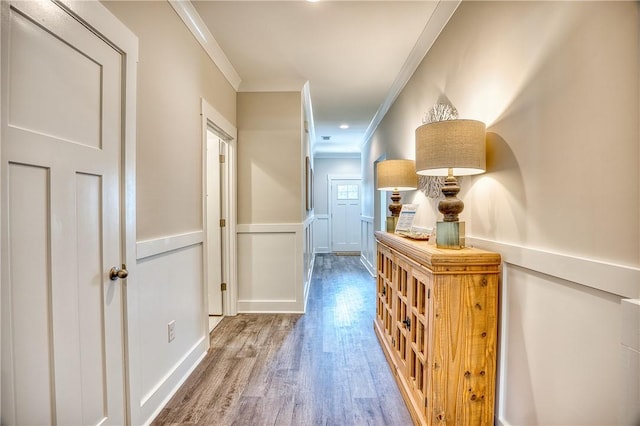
615 279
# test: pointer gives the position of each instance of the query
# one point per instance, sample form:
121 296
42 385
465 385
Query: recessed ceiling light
344 126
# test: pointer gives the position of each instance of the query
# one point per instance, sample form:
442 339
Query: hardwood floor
322 368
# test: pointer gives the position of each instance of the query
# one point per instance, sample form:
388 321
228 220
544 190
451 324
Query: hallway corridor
322 368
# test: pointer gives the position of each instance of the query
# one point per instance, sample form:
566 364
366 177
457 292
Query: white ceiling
355 55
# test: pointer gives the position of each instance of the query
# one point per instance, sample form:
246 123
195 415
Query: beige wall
558 85
270 161
324 167
174 73
274 241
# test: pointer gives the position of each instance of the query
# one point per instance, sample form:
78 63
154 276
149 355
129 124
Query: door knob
116 272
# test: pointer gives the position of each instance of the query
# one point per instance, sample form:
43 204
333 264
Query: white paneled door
345 215
216 150
61 168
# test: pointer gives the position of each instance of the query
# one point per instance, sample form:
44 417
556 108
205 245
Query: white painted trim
441 15
298 304
370 267
310 125
269 307
321 220
299 267
183 369
501 422
309 220
172 371
503 340
109 27
156 246
132 353
615 279
308 231
611 278
210 115
630 336
320 154
344 177
198 28
218 119
257 228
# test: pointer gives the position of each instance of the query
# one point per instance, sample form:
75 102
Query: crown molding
439 18
196 25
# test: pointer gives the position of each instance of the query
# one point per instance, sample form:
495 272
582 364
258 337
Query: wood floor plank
321 368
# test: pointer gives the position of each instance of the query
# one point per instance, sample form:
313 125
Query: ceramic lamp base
450 235
392 221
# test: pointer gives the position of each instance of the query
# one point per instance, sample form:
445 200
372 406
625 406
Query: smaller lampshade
452 144
397 175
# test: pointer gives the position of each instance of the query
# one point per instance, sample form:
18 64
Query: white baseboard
270 307
369 267
166 388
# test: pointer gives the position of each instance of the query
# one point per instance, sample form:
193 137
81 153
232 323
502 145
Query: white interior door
216 149
61 156
345 215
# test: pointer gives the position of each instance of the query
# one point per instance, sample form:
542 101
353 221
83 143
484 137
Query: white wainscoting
271 275
321 234
309 256
630 351
170 280
368 252
562 326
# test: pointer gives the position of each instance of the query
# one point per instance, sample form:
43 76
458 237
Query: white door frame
211 118
97 18
379 200
330 179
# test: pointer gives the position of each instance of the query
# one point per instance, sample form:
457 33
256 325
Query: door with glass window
345 215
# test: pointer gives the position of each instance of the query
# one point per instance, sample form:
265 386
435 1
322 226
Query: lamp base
392 221
450 235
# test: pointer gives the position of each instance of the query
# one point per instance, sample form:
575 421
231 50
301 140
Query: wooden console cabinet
436 319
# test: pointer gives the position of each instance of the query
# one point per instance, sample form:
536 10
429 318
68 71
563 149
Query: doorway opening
219 213
217 250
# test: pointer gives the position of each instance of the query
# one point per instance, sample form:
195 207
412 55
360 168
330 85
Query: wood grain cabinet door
385 292
402 313
420 285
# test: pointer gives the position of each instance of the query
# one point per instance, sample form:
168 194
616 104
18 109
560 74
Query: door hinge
221 158
223 286
428 293
223 223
